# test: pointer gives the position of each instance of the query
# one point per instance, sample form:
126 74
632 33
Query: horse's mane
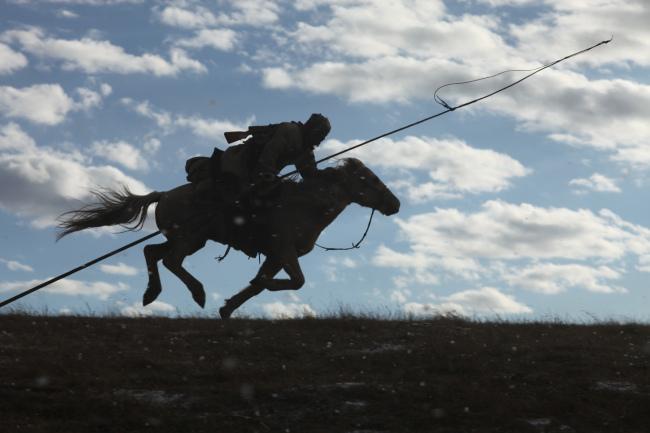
312 188
323 177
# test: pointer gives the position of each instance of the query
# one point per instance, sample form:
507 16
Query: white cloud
486 300
162 118
334 264
636 155
137 310
105 89
245 68
422 263
122 153
453 167
41 103
345 262
384 29
98 289
401 51
119 269
80 2
14 265
572 108
550 278
506 241
45 103
388 51
497 3
502 230
393 79
96 56
290 310
417 276
219 39
596 182
209 128
10 60
252 12
585 22
87 99
566 105
65 13
231 13
40 183
151 146
400 296
176 16
277 78
69 287
644 263
13 138
430 309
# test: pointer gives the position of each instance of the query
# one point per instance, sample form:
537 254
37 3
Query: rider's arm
306 165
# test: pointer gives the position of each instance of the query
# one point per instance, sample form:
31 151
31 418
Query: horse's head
366 189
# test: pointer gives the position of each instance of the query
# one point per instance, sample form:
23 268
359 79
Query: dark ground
79 374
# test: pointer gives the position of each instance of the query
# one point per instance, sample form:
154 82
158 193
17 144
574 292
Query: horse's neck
334 209
327 203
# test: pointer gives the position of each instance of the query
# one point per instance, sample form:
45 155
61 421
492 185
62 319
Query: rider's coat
286 147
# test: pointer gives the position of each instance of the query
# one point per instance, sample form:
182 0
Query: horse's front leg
292 268
268 270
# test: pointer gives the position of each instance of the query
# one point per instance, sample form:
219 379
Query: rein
355 245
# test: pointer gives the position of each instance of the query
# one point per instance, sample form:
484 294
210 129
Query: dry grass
341 374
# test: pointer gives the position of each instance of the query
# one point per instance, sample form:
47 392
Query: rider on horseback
258 160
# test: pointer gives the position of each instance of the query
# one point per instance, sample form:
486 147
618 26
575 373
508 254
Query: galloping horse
283 232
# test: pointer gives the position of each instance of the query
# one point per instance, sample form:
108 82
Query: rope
473 101
442 102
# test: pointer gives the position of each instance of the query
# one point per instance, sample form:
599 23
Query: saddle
244 215
200 168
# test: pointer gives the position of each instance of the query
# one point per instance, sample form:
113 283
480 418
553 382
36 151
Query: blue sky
528 205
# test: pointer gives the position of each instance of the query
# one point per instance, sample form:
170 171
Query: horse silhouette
281 232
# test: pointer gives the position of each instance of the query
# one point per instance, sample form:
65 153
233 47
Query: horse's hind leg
174 262
291 266
153 253
268 270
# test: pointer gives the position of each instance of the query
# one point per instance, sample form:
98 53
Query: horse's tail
112 208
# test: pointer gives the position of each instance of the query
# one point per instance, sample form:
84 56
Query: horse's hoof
225 312
150 296
199 298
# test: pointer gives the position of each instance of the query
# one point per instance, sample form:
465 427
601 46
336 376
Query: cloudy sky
532 204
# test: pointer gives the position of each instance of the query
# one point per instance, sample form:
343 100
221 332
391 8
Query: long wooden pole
77 269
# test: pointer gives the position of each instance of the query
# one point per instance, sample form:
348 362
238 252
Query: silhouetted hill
79 374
